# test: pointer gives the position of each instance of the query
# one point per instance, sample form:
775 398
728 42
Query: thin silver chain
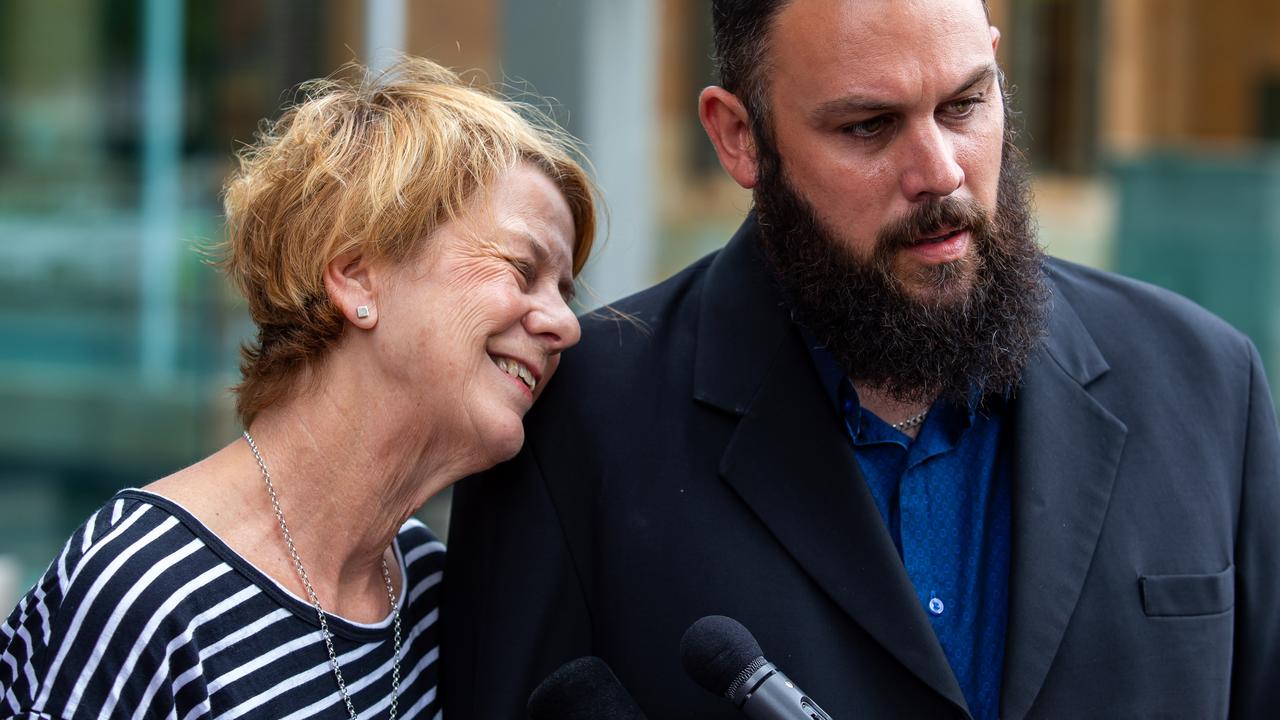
910 422
315 601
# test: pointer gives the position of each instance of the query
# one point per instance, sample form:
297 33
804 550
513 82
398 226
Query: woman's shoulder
130 529
120 554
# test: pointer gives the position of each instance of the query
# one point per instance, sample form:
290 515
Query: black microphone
722 656
583 689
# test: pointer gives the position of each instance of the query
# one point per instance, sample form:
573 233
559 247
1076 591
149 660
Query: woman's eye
524 269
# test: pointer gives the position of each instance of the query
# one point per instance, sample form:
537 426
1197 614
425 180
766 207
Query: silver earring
362 311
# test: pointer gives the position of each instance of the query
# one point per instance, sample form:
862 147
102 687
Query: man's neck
890 410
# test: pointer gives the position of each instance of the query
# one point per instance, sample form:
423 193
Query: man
935 473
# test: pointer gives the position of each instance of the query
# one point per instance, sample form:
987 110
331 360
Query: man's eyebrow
862 104
982 76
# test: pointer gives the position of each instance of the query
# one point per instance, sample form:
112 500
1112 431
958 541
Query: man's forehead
878 15
878 47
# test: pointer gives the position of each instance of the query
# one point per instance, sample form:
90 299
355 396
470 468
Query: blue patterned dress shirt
945 498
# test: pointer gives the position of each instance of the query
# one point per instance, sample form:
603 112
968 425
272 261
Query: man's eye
964 108
868 128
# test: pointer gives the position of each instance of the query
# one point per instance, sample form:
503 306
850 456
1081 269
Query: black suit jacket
685 461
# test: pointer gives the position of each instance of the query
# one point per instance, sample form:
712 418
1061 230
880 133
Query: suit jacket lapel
792 465
1066 452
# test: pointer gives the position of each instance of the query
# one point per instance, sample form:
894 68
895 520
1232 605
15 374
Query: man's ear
995 39
349 279
725 119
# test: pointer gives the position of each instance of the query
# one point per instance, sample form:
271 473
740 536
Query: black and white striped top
147 614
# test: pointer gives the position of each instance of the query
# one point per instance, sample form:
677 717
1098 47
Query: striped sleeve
79 643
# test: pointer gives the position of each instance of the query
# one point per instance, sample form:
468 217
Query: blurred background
1151 125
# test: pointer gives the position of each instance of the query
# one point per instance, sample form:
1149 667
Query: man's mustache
929 220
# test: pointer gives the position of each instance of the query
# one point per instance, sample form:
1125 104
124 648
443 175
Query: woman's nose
554 322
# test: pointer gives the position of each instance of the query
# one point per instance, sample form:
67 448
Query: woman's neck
347 472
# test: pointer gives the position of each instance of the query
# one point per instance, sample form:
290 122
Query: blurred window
1054 70
82 416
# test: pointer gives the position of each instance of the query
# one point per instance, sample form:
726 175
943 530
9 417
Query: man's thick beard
976 321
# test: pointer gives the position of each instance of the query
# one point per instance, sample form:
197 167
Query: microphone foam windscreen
715 649
583 689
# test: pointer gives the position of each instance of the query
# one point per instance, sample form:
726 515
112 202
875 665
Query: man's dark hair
741 49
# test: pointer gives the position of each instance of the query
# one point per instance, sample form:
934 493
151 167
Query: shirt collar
829 373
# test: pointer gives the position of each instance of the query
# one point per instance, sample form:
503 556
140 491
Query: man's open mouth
939 236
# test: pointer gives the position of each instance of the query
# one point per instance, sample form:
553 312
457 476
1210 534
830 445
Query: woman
407 247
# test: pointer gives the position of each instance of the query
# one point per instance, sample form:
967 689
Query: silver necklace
315 601
910 422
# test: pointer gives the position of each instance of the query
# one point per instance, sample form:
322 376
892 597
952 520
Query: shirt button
848 406
935 606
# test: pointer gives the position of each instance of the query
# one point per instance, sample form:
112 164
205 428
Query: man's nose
930 167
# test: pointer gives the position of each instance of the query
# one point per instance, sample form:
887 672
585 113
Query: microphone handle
770 695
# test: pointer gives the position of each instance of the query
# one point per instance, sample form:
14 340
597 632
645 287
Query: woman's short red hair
372 165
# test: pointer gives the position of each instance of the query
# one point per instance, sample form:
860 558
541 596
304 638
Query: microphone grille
742 677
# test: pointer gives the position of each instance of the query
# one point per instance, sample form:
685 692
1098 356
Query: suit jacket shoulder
638 328
1134 320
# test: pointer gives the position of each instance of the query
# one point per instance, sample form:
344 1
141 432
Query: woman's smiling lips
520 373
948 247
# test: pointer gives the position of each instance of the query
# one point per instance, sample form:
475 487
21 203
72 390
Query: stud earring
362 311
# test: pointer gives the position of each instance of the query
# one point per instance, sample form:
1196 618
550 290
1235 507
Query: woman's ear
350 279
